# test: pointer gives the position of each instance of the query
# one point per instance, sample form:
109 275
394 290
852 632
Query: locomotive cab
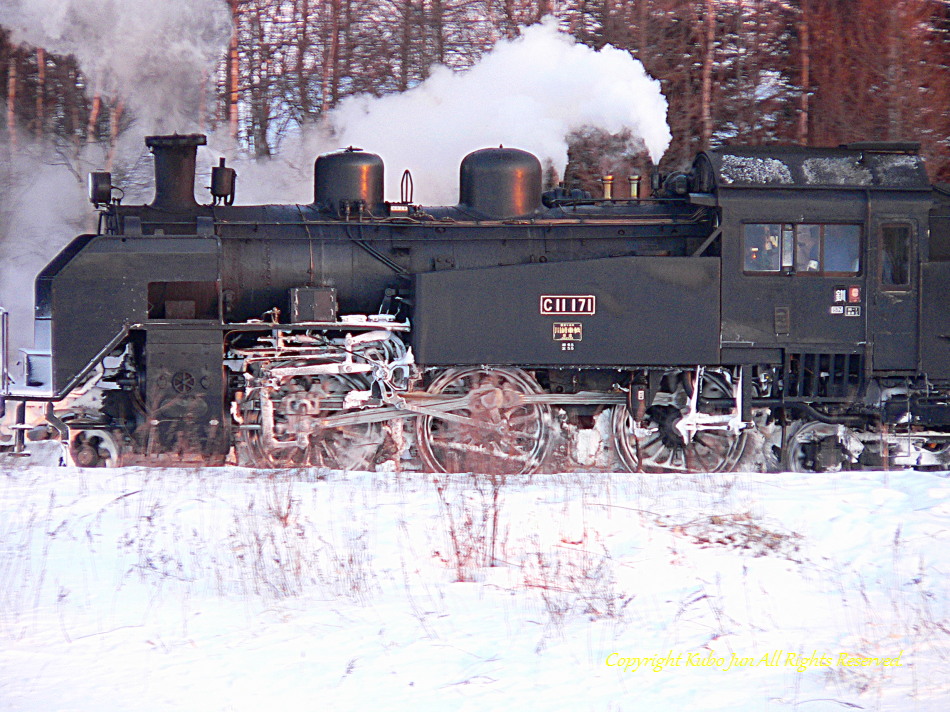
818 255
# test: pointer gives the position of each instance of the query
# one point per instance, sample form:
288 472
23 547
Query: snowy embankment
231 589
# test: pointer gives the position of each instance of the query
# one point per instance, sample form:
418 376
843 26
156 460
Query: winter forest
238 588
819 72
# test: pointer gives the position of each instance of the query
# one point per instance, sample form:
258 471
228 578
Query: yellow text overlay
731 661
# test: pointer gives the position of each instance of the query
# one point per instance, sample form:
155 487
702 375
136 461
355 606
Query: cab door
894 285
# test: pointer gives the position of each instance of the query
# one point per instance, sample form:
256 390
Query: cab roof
889 166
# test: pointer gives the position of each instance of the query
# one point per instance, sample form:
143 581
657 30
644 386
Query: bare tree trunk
303 46
40 91
643 33
327 90
706 100
895 40
746 42
762 27
437 23
804 80
544 8
11 100
233 74
114 120
511 19
405 49
93 118
344 55
75 130
259 75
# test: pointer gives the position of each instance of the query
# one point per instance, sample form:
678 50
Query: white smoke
527 93
156 55
530 93
42 208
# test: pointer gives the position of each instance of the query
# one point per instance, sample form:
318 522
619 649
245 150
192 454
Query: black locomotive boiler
799 290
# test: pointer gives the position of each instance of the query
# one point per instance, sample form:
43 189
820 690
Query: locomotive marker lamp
100 188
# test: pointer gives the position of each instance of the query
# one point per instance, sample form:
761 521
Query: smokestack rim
176 140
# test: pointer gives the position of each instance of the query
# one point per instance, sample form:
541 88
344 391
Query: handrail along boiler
795 290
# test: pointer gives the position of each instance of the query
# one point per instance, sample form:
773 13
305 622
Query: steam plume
154 54
528 93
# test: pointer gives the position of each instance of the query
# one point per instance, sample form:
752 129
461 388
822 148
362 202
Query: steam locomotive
798 292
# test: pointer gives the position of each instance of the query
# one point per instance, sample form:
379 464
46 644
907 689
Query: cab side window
814 248
808 248
842 248
895 256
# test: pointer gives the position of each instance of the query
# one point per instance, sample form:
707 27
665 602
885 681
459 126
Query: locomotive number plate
563 304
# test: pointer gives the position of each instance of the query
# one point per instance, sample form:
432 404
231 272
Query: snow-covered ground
233 589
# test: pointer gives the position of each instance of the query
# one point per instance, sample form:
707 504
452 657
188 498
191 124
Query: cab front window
762 248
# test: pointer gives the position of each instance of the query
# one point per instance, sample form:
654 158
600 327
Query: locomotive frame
794 289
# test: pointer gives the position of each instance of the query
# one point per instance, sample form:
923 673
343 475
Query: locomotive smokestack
175 158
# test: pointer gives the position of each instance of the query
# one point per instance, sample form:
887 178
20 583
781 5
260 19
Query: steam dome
500 182
346 177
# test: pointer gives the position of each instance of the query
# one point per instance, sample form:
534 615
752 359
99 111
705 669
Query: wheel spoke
659 447
518 437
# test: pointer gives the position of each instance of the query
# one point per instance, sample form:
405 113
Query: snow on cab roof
892 166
